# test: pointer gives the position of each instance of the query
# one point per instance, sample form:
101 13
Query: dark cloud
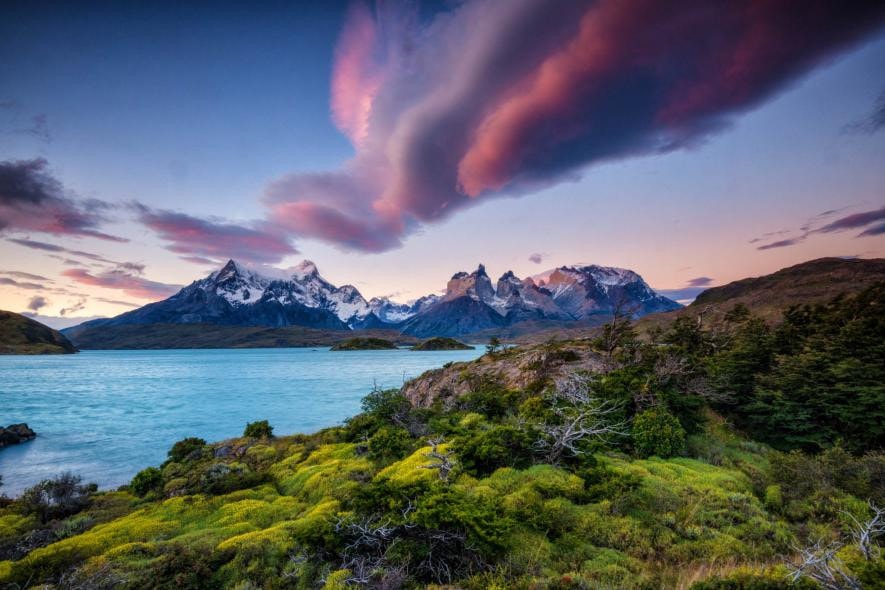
782 243
700 282
24 275
73 308
211 238
501 97
876 230
873 121
854 221
132 285
536 258
37 303
117 302
32 199
20 284
47 247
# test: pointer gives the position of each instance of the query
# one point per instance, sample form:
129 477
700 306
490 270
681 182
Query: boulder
15 433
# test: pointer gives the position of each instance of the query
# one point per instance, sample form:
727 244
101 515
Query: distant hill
22 335
365 344
810 282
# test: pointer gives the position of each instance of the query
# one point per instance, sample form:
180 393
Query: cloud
853 221
47 247
37 302
59 322
117 302
259 242
198 260
700 282
24 275
74 308
20 284
31 199
783 243
876 230
501 97
536 258
873 121
683 295
132 285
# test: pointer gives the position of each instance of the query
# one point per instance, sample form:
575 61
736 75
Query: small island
442 344
365 344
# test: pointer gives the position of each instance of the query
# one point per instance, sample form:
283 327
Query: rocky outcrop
15 434
530 368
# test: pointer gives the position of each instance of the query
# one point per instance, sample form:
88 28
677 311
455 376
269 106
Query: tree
258 429
657 432
185 449
58 497
494 345
579 417
145 481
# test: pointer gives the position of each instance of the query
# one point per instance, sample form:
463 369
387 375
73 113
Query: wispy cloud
20 284
848 222
501 97
204 239
132 285
873 121
24 275
33 200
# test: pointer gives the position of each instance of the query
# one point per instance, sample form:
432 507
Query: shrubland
720 453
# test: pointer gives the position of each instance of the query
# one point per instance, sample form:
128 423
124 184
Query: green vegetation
638 475
441 344
22 335
365 344
258 429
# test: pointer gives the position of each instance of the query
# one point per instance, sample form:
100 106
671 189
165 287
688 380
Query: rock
15 434
223 452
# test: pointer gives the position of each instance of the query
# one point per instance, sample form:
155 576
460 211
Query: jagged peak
509 275
305 268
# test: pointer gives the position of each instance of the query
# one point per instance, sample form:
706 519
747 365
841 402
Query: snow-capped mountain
574 293
240 295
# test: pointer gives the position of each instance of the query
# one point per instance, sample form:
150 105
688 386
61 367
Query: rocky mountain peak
304 269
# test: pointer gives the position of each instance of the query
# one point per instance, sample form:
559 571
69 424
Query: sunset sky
396 143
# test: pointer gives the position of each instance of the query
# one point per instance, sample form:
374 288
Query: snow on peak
304 268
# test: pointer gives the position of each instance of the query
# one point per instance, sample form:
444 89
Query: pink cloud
499 97
259 242
132 285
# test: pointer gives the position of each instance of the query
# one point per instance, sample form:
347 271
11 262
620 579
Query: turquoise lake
108 414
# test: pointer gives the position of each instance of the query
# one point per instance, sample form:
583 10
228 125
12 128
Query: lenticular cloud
500 97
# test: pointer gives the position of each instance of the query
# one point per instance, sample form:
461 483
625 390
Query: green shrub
485 451
186 449
657 432
146 481
389 444
258 429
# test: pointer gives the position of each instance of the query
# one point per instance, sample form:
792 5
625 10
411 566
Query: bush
389 444
185 448
657 432
58 497
145 481
258 429
500 446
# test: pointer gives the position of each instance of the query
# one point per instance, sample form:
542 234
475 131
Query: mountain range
239 295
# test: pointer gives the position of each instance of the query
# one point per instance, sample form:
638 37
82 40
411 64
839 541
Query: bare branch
443 462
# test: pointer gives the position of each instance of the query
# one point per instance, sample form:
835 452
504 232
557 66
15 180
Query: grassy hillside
441 344
611 464
22 335
160 336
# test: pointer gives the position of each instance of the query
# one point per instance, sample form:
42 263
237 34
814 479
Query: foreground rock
529 369
15 434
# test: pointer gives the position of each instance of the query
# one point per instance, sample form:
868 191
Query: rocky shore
15 433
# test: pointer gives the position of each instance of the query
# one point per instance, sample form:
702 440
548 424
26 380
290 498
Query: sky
396 143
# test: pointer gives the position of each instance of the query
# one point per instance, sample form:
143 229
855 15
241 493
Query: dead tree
580 417
443 462
821 563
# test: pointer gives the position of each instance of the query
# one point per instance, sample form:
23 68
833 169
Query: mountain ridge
239 295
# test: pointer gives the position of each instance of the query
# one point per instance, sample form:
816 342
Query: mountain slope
22 335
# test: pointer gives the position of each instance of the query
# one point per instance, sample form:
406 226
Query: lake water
108 414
